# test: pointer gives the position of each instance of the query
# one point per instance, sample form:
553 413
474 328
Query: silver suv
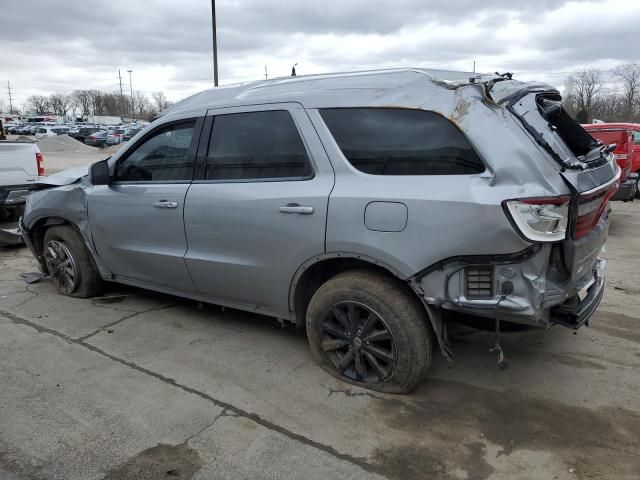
363 206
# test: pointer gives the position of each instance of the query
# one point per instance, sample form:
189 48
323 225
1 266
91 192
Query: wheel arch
41 225
320 268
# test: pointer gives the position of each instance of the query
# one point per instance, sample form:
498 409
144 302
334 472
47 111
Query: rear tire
366 329
70 264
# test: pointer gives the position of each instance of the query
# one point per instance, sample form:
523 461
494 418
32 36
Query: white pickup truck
21 164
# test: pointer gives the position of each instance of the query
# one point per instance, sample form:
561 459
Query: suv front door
137 221
257 209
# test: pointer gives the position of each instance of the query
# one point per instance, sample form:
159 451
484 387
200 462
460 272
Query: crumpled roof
323 90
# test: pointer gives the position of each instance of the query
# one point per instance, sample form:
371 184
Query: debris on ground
64 144
32 277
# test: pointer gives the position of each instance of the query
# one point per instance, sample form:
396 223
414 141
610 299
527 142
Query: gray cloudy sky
57 46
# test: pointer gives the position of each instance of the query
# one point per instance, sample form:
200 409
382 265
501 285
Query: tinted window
394 141
163 157
636 137
256 145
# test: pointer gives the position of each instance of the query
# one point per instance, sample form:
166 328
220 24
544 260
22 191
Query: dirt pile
64 144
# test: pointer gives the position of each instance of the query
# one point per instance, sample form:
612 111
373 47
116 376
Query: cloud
59 46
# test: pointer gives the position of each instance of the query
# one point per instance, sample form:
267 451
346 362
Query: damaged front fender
59 199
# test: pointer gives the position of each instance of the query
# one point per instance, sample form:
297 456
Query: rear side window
256 145
396 141
636 138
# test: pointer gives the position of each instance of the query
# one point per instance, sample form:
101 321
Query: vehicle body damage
463 247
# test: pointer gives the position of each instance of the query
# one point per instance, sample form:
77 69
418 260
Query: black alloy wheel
358 342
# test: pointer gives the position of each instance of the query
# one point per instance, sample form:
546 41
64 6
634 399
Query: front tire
366 329
69 263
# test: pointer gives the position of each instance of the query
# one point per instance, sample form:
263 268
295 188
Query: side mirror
99 173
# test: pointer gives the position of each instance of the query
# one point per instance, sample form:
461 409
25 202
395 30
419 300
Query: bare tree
141 104
95 99
82 100
584 86
3 106
629 76
38 104
160 101
59 103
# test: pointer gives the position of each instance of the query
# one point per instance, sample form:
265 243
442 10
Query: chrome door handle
165 204
295 208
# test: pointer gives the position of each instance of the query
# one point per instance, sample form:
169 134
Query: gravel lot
137 385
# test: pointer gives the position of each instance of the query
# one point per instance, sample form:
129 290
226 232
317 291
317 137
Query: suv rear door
257 209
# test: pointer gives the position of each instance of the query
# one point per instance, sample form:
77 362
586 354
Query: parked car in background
96 139
21 165
81 133
15 129
130 133
47 131
620 135
635 129
115 136
333 210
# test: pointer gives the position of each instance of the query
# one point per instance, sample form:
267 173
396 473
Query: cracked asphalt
138 385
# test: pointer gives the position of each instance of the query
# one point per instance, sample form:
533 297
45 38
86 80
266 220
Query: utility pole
266 74
215 43
10 100
474 66
120 80
131 92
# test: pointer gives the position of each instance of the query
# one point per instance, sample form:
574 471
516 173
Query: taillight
540 219
91 137
40 163
591 206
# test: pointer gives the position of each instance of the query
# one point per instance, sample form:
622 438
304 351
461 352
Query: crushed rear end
559 278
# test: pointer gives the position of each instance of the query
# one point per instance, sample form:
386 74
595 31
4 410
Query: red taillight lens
40 162
590 209
91 137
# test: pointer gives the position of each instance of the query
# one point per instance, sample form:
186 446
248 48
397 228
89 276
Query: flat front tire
69 263
366 329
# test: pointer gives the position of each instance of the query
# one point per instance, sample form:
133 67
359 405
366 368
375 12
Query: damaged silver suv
359 205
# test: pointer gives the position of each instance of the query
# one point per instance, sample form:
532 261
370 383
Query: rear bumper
575 313
526 290
628 189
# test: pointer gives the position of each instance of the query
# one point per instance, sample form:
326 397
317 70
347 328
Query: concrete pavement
142 385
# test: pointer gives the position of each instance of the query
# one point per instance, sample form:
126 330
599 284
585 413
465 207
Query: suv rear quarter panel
446 215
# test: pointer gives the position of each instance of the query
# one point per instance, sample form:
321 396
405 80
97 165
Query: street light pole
215 43
131 92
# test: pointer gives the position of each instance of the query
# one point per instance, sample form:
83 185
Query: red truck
626 137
